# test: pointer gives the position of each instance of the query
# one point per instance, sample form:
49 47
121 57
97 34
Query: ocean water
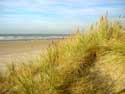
19 37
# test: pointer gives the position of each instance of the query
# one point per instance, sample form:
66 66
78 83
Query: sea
21 37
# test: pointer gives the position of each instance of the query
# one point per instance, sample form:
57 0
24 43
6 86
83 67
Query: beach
21 51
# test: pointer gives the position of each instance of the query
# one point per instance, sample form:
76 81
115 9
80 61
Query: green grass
76 65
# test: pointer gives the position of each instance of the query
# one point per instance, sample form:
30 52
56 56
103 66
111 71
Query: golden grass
75 65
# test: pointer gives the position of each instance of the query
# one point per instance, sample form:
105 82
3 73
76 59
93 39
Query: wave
30 37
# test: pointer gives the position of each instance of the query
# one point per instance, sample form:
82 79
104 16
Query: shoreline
51 39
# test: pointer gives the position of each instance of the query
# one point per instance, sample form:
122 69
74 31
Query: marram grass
85 63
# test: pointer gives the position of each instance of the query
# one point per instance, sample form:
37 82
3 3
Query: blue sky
54 16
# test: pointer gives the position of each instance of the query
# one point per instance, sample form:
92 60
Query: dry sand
22 51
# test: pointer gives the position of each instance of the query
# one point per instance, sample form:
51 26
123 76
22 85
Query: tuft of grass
83 63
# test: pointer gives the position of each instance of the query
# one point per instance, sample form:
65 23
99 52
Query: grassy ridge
77 65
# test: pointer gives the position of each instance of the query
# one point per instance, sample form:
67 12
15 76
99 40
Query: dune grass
74 65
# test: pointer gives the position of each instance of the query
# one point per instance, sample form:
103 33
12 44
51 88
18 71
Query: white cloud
50 13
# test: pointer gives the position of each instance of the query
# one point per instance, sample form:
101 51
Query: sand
21 51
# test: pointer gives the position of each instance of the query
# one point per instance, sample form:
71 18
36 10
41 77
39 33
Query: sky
54 16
